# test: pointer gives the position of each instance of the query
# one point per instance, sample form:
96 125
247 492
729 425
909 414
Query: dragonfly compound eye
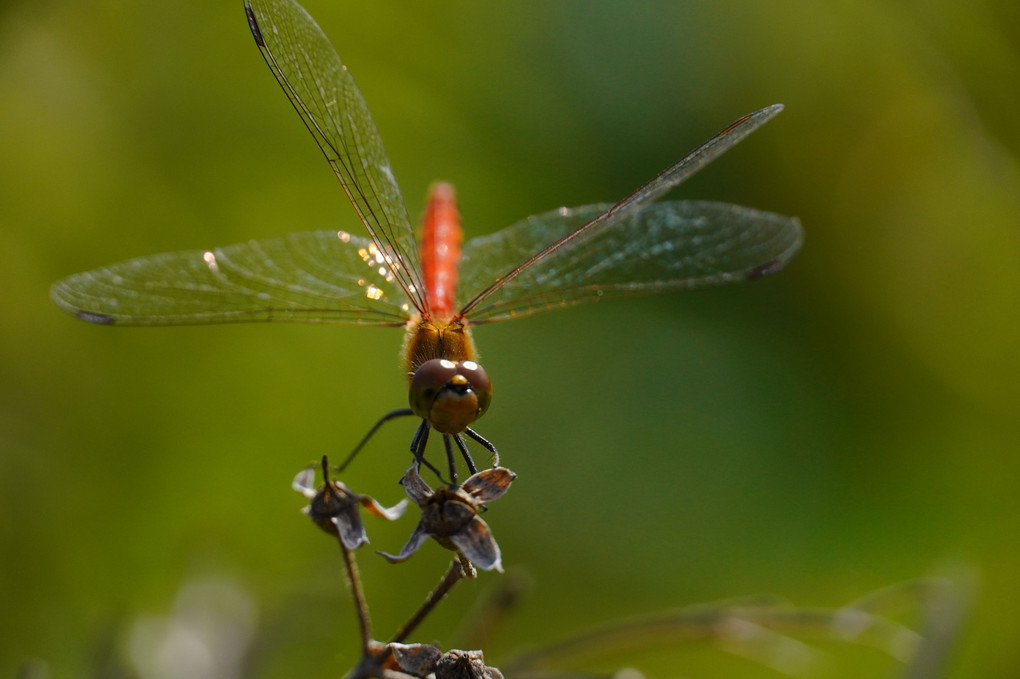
449 394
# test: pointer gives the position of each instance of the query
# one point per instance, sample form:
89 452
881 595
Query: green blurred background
846 425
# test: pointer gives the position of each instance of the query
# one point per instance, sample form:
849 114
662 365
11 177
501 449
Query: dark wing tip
777 264
766 269
62 295
253 24
92 317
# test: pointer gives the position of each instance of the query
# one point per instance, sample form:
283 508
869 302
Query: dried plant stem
360 604
460 568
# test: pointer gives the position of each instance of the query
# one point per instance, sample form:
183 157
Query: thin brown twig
360 604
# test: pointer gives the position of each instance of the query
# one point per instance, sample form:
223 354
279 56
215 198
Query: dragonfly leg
464 452
449 459
402 412
418 443
484 443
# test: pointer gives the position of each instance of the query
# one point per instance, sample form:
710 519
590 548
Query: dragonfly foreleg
418 443
484 443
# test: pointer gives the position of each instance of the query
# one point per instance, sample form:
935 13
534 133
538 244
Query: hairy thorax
429 339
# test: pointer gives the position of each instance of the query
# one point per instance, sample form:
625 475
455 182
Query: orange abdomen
440 250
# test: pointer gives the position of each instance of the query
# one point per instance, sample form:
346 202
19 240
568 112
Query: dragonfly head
450 395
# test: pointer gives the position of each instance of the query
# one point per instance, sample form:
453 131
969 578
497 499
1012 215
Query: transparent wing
675 245
316 276
570 249
325 96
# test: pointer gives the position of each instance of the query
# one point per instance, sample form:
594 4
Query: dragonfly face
450 395
561 258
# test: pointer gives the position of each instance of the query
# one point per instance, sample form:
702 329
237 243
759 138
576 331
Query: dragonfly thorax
427 339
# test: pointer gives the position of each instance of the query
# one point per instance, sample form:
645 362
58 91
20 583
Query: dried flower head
450 515
334 507
425 660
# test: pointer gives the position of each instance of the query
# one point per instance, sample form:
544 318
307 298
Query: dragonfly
439 287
